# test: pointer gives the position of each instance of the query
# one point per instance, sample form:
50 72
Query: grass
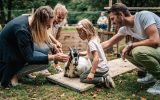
41 89
69 29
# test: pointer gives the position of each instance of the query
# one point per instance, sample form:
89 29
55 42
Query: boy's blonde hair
59 8
39 24
88 27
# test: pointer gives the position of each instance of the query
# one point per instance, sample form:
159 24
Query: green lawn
41 89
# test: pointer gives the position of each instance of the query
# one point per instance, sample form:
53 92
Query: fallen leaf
94 95
62 95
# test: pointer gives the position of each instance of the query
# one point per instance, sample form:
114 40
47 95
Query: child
99 72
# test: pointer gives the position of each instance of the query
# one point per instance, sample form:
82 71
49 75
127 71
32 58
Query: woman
16 43
60 12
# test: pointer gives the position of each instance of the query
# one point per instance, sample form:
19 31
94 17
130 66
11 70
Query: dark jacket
16 45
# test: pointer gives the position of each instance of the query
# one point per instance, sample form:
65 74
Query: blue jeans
98 76
35 67
102 26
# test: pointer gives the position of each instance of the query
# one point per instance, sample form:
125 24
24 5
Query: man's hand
126 50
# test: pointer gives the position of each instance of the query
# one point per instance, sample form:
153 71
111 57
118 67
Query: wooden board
116 67
71 83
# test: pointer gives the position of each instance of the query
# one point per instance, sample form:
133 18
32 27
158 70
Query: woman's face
49 23
82 34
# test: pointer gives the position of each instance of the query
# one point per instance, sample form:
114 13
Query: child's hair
60 8
87 26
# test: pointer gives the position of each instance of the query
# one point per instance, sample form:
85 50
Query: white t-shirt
142 20
102 20
94 45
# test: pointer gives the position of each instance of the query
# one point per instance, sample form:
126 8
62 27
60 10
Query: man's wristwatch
129 45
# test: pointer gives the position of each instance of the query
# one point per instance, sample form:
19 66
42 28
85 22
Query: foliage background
78 9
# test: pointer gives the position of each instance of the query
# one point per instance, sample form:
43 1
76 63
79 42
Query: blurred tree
78 9
2 14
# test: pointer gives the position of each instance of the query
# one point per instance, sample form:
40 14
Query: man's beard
119 25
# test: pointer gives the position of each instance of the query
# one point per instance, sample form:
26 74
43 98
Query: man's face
117 20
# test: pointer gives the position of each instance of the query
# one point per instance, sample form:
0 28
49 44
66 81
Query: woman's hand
90 76
60 57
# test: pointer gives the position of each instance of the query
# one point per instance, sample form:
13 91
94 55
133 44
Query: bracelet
130 45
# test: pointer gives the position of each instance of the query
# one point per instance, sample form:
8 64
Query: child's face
82 34
59 18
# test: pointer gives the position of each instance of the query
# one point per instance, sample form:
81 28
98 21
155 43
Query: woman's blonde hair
60 8
88 27
39 24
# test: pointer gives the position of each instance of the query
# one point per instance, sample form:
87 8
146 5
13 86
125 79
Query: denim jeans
102 26
35 67
97 77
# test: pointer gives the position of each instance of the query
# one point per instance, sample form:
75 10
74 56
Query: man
145 52
102 21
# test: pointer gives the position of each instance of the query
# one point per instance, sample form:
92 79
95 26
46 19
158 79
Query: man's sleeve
122 31
146 19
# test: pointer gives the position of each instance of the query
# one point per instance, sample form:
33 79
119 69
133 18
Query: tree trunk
2 14
9 10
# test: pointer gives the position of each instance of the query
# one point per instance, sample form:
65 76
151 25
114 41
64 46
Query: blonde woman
54 46
98 74
16 45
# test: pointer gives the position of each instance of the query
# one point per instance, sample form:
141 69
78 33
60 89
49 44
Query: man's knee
139 52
